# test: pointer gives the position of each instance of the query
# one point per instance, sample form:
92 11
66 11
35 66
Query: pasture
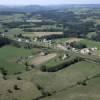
90 34
48 81
9 56
34 68
89 92
91 43
56 61
66 77
18 90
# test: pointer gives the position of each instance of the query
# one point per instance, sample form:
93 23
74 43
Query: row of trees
42 30
4 41
67 63
97 36
78 45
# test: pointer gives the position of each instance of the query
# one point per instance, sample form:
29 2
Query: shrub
43 68
32 66
39 87
62 65
28 68
16 87
4 71
16 73
78 45
5 77
19 78
46 93
10 91
26 64
82 83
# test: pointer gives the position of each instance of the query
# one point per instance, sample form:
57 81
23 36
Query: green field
27 90
89 92
91 43
65 67
66 77
61 41
57 61
14 31
90 34
10 18
9 55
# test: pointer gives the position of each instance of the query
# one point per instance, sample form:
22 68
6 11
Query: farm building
94 49
85 51
43 53
19 40
34 21
35 39
45 40
64 57
27 41
3 35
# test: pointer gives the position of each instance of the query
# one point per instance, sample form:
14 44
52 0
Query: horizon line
49 4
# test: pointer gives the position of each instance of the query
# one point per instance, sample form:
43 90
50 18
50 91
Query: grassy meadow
67 77
9 56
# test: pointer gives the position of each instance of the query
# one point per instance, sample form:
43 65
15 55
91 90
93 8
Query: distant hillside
34 8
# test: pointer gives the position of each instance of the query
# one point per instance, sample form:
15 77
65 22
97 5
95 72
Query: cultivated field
63 40
40 34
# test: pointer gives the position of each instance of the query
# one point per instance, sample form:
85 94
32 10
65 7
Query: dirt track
42 59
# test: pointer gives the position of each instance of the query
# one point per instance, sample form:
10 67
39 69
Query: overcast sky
47 2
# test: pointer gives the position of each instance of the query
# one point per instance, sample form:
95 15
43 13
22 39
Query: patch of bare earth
40 34
42 59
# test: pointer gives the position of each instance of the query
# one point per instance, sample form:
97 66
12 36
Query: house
74 50
85 51
34 20
35 40
45 40
27 41
64 57
3 35
30 56
19 40
43 53
50 42
94 49
67 45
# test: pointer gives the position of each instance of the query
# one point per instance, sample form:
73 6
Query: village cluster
65 46
90 51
